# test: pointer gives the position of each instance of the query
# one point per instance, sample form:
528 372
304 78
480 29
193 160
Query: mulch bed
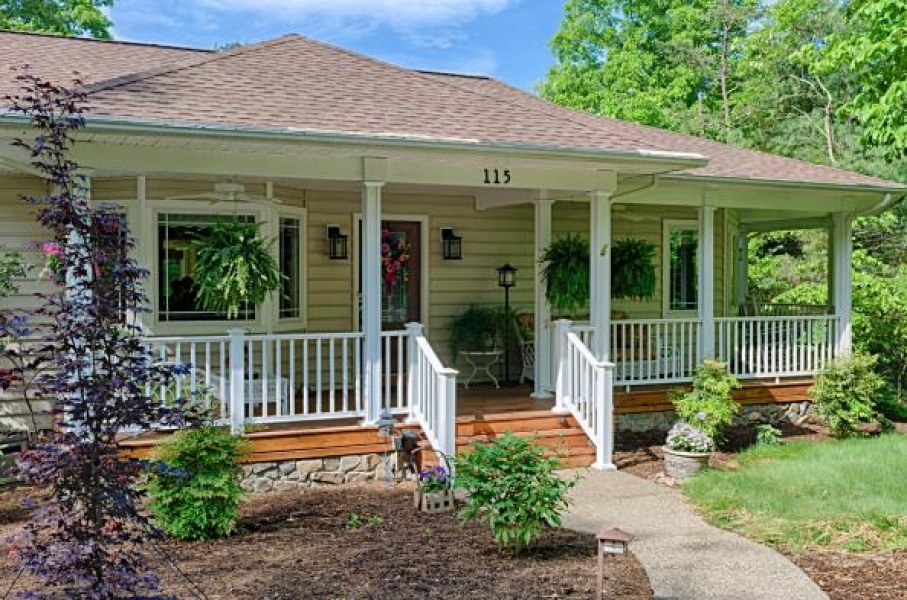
298 545
843 576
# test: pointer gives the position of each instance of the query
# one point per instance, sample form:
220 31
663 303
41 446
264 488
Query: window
176 266
681 266
291 267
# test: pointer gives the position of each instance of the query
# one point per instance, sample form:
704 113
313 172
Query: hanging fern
234 268
566 273
632 271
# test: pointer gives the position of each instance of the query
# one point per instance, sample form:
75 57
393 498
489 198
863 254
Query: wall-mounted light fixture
337 243
451 244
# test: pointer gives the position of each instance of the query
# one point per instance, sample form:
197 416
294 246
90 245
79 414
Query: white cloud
399 14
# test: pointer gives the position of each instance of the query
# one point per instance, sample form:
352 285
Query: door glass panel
396 254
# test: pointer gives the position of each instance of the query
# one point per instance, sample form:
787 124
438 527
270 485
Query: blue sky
507 39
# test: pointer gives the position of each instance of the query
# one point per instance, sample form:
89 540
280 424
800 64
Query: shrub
709 406
512 488
844 393
195 494
767 435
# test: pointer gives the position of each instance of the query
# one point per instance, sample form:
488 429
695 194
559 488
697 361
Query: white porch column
741 267
600 275
707 281
371 298
542 368
843 250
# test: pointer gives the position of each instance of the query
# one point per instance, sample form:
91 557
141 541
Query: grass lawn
847 495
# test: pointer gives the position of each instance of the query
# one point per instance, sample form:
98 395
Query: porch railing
432 393
585 390
776 346
274 378
659 351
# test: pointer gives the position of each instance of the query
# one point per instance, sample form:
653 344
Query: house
337 153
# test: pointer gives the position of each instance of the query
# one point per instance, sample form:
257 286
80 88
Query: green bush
709 405
195 492
767 435
845 391
512 488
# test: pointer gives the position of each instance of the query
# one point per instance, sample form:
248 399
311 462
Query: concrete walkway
685 558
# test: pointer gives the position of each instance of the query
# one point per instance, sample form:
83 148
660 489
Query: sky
506 39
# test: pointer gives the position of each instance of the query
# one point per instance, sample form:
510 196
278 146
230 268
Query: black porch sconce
451 244
337 243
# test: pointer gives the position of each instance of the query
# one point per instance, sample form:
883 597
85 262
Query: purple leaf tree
88 541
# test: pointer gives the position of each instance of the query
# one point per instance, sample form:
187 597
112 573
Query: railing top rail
776 318
394 333
171 339
575 341
327 335
687 320
435 362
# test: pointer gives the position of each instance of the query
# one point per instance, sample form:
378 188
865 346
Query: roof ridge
180 66
60 36
422 74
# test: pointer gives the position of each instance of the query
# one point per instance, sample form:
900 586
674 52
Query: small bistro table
482 362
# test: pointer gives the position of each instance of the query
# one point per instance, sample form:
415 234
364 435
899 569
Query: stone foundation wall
314 472
793 412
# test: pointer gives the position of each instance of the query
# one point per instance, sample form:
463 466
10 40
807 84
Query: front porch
482 413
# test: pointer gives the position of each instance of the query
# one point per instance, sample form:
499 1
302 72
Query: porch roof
296 85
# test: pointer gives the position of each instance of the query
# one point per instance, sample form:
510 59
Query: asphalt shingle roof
296 83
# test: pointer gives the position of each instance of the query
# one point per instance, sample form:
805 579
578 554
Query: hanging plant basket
234 268
632 269
566 272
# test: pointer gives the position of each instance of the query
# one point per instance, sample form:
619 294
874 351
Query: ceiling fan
227 192
619 211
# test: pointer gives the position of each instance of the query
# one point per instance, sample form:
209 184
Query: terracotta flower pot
682 465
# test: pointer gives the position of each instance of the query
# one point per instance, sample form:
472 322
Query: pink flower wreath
394 257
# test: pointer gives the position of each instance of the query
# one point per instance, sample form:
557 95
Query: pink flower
50 249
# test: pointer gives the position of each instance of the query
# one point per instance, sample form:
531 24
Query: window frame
201 327
301 214
668 227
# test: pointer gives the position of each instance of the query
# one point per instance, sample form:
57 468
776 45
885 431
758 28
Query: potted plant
476 330
434 493
702 415
566 272
234 268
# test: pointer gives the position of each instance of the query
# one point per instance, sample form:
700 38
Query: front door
401 273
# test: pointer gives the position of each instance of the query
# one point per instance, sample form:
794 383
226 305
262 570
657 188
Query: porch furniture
482 363
524 325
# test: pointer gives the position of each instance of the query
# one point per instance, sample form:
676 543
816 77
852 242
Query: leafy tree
667 63
875 51
86 540
65 17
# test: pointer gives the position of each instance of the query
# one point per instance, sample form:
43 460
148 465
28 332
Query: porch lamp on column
610 541
506 280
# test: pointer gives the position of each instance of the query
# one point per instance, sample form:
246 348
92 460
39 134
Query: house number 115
497 176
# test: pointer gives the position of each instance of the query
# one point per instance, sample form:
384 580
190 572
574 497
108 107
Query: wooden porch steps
559 435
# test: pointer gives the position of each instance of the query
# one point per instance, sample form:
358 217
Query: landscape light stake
386 423
610 541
